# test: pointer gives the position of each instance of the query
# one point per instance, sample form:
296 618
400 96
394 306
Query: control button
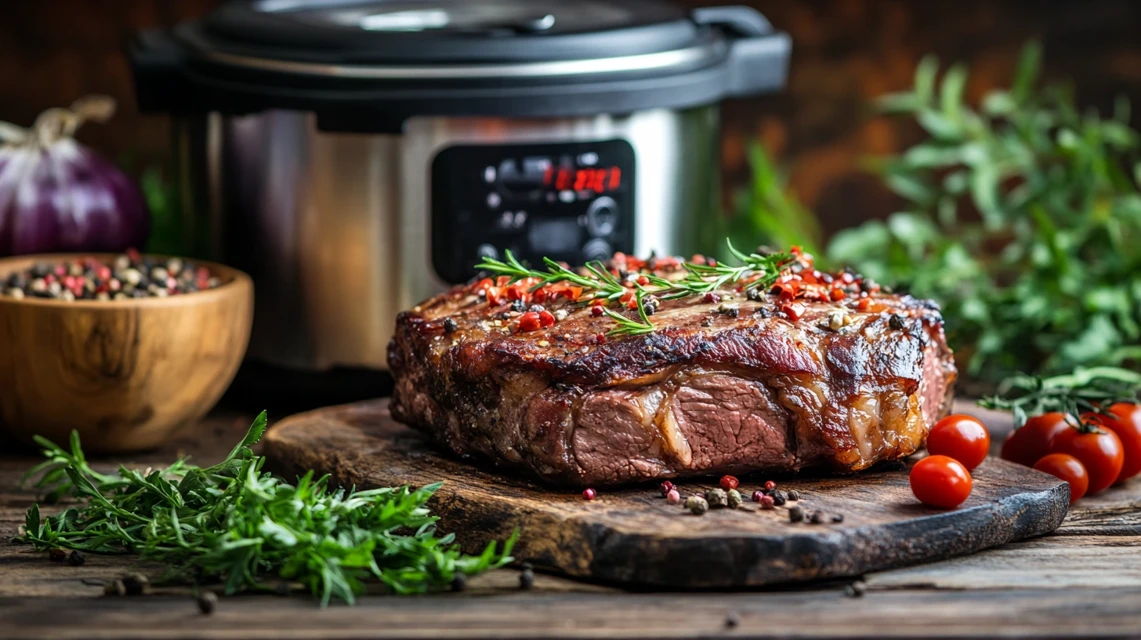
489 174
493 200
588 159
487 251
597 249
566 196
520 219
602 216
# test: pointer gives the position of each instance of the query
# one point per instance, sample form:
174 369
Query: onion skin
63 197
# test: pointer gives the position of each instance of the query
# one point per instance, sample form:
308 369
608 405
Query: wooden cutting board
632 536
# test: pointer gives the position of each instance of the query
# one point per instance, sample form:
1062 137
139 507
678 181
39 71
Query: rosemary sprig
628 327
234 523
1084 390
699 279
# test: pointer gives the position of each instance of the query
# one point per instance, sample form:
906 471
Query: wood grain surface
1080 582
631 536
127 374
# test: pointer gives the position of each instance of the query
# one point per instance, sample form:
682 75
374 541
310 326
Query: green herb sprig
234 523
761 270
1084 390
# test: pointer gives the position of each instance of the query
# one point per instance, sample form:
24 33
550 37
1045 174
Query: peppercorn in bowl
127 350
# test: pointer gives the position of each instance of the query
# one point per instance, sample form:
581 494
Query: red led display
585 179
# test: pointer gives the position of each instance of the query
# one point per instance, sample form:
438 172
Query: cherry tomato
1031 441
1126 423
1066 467
940 481
1099 450
960 437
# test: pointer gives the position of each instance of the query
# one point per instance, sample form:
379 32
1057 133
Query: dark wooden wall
846 52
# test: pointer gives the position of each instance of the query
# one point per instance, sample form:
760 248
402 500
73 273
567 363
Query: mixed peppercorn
127 276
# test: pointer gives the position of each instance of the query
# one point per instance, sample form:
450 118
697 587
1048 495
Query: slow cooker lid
393 32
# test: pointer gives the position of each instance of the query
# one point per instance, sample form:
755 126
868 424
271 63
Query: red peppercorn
838 294
600 338
770 485
666 487
711 298
758 495
103 273
596 311
589 494
767 502
529 321
546 319
729 482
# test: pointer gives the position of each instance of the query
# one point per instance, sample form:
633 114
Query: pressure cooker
356 157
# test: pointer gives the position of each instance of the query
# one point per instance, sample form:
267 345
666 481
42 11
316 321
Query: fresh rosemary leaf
1084 390
236 524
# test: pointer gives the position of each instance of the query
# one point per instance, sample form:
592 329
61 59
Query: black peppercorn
896 322
135 584
648 308
764 312
57 555
855 589
837 518
755 294
76 559
731 620
459 582
450 325
207 602
794 495
779 497
796 514
816 518
526 579
518 306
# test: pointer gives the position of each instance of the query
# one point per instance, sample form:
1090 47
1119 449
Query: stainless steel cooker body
335 228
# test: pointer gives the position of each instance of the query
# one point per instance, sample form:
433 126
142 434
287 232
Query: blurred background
845 52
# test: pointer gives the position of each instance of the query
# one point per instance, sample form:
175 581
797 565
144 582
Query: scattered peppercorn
518 306
207 602
767 502
115 588
757 495
711 298
779 498
127 276
794 495
838 518
589 494
896 322
734 498
673 497
76 559
666 487
728 310
764 312
596 311
697 505
717 498
770 485
796 514
57 555
729 482
526 579
731 620
754 294
135 584
707 321
816 518
450 325
855 589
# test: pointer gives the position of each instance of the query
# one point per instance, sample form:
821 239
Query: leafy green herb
235 523
760 271
1084 390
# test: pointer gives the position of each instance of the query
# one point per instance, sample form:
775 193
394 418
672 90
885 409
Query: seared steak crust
714 389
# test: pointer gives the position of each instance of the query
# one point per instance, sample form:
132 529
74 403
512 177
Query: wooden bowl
126 374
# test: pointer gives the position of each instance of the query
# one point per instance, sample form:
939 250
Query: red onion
57 195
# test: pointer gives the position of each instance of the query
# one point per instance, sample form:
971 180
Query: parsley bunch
235 523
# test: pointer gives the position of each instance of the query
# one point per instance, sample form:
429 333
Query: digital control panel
572 202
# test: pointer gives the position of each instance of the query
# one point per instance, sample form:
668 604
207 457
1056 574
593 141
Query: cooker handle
758 54
157 62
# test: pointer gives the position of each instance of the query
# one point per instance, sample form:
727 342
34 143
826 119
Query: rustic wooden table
1083 581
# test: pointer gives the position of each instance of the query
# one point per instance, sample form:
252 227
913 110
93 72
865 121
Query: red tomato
960 437
1066 467
1031 441
1099 450
1126 423
940 481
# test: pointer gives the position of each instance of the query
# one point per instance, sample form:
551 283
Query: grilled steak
724 383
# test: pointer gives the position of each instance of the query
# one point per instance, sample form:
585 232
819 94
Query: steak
724 384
